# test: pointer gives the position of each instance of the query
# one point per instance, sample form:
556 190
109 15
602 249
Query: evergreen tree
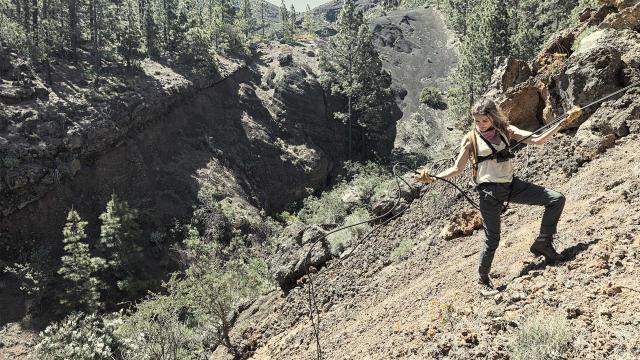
128 32
337 61
246 20
119 235
458 13
263 5
352 67
287 31
373 88
151 30
74 28
486 37
293 20
308 23
78 267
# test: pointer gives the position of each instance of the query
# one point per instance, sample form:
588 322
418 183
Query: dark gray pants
492 197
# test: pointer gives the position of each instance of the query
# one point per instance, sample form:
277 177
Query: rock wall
267 147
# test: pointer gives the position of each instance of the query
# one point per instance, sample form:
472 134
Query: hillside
385 301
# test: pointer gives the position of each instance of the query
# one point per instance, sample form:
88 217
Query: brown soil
427 306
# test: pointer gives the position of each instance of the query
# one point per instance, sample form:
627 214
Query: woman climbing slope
488 148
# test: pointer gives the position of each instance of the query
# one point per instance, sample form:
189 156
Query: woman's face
483 122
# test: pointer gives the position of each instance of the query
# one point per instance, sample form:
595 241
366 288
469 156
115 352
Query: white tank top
492 170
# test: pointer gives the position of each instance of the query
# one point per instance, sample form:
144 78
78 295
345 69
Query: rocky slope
383 303
261 121
418 51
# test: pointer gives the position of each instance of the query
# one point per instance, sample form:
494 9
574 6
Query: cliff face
426 305
417 50
255 124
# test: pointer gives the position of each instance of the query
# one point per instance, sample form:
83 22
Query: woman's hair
486 106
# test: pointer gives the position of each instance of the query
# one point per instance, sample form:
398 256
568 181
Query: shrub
159 330
362 183
79 337
402 250
342 240
431 96
541 337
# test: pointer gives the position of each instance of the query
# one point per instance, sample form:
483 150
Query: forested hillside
172 173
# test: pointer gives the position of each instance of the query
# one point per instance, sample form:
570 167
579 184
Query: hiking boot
543 246
485 286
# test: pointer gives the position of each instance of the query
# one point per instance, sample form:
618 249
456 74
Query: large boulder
554 52
391 35
297 243
589 75
510 72
613 120
521 105
628 18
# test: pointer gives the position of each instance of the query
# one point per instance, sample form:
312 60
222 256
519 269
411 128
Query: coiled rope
314 313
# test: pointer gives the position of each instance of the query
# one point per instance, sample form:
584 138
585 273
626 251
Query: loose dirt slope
427 305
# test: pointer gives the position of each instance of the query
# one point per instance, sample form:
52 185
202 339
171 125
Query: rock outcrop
299 249
155 147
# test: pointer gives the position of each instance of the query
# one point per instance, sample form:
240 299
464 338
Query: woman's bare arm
460 163
537 139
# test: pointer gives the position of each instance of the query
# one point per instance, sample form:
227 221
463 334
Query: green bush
196 312
402 250
541 337
79 337
431 96
159 330
342 240
361 183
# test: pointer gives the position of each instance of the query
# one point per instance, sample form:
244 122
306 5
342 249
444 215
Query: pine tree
458 13
151 30
287 33
337 61
373 88
486 37
246 20
293 21
351 67
308 21
128 32
74 29
78 267
119 235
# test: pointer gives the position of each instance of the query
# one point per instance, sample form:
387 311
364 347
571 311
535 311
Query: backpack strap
474 154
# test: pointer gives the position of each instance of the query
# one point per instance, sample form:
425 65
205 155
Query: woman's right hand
423 176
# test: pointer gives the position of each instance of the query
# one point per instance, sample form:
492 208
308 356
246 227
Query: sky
300 5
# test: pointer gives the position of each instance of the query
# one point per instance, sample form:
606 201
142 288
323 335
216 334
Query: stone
285 59
628 18
588 76
296 241
15 94
510 72
462 224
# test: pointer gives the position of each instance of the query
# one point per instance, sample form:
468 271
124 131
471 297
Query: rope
314 313
563 117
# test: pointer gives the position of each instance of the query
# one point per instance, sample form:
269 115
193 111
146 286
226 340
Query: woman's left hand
572 115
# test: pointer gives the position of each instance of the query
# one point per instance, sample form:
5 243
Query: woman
488 148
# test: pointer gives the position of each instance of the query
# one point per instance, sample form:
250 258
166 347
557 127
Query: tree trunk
34 23
349 131
95 40
73 28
